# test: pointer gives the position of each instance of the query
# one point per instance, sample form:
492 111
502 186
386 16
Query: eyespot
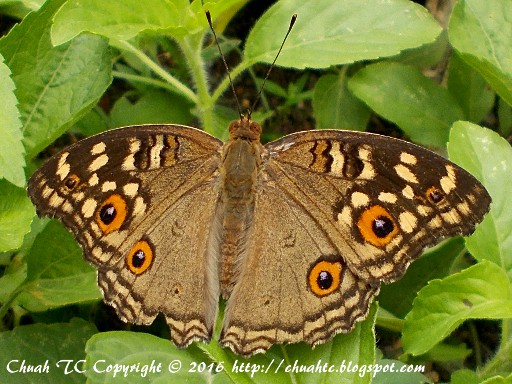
435 195
71 181
140 257
111 214
325 277
377 226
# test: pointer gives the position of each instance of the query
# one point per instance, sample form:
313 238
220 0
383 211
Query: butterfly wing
334 217
131 196
381 200
292 281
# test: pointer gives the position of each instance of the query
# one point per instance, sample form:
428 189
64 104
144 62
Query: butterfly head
245 129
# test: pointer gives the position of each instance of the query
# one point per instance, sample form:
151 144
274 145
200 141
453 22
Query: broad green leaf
119 20
335 107
57 275
393 374
124 19
397 297
470 89
18 9
11 147
481 32
10 281
444 352
425 56
465 376
423 109
489 158
16 213
158 360
59 346
481 291
331 32
54 86
498 380
153 107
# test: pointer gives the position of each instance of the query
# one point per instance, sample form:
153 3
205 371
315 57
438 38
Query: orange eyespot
435 195
111 214
377 226
325 277
140 257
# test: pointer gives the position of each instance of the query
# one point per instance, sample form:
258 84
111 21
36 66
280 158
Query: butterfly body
241 160
297 234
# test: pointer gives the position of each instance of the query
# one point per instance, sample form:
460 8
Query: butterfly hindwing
292 280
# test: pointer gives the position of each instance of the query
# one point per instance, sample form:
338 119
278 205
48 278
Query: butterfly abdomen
238 181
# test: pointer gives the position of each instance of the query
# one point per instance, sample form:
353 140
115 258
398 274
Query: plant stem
191 47
476 343
144 80
174 83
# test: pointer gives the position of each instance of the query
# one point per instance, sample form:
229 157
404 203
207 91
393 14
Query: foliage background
434 73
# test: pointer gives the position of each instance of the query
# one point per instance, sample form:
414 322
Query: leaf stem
175 83
144 80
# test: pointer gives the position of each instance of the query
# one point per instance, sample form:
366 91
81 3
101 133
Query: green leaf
421 108
119 20
57 275
465 376
122 20
481 291
330 32
395 376
498 380
55 86
53 345
481 32
397 297
16 213
489 158
152 107
11 147
335 107
470 89
155 357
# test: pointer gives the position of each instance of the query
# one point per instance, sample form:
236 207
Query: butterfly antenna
292 22
209 18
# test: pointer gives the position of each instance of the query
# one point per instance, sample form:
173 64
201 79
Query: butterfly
297 235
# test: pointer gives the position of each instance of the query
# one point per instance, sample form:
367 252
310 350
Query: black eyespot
382 226
138 258
71 182
324 280
435 195
108 214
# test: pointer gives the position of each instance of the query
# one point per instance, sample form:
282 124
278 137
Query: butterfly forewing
131 198
380 200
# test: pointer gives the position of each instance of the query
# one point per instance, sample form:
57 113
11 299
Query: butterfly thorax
241 158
